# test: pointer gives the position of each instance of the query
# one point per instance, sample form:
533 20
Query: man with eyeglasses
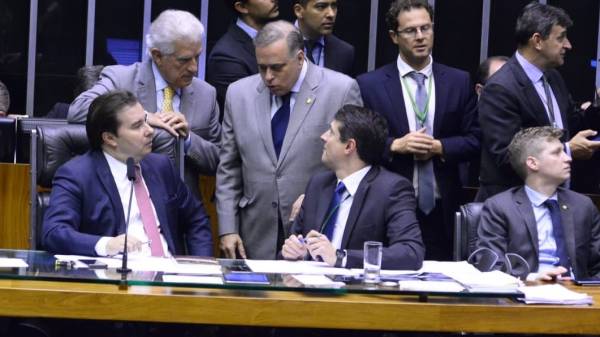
167 87
554 229
316 20
430 109
271 144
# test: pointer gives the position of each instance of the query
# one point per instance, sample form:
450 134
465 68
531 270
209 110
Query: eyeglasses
411 32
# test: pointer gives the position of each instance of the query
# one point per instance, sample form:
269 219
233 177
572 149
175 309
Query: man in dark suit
90 194
528 91
316 19
233 56
430 109
166 85
369 203
554 229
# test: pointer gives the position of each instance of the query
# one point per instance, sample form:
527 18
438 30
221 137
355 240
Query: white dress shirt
277 101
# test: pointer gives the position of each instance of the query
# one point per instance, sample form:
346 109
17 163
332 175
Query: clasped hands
172 121
316 244
419 143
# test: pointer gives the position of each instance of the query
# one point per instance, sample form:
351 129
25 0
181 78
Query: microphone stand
124 270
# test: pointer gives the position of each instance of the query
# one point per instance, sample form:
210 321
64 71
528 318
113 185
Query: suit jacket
507 225
383 210
254 187
509 103
198 104
339 55
455 123
85 207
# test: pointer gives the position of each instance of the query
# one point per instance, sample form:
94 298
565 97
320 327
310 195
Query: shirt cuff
187 143
345 259
100 246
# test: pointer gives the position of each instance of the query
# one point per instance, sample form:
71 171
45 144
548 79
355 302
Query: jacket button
274 204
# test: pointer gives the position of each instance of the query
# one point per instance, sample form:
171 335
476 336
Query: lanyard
332 212
421 115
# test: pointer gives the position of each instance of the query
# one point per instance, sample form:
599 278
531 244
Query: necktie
331 218
549 101
426 199
311 46
279 122
557 231
168 94
148 219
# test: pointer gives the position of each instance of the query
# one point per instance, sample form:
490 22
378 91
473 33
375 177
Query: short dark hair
483 71
301 2
368 128
539 18
102 115
391 17
528 142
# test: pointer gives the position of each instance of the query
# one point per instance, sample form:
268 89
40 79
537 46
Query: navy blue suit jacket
383 210
85 206
339 55
455 123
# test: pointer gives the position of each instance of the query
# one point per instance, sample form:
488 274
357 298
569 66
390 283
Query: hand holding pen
294 248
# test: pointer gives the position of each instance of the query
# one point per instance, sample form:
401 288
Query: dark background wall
61 36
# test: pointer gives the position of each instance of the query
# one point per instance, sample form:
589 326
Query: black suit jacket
507 225
233 57
509 103
383 210
339 55
455 123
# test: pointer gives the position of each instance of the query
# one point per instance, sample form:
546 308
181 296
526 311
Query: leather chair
53 145
7 139
466 223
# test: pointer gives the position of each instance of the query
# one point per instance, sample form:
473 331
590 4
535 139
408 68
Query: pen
303 241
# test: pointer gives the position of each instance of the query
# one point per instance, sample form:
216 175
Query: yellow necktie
168 93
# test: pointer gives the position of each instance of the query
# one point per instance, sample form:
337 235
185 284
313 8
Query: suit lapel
441 94
305 99
157 196
357 204
187 102
397 117
108 183
524 207
536 105
263 119
146 90
568 223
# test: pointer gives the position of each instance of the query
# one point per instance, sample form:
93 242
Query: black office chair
465 230
53 145
24 128
7 139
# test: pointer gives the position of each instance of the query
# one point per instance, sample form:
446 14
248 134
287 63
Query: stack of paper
553 294
431 286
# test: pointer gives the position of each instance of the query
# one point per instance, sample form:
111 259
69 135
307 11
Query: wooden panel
14 206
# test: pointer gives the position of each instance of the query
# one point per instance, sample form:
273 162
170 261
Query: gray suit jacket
198 104
254 188
507 225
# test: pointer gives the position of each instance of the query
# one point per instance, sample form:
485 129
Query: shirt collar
301 77
117 167
321 39
246 28
531 70
159 81
536 198
352 181
404 68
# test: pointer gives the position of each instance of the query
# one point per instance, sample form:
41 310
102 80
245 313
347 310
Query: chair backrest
7 139
466 223
24 128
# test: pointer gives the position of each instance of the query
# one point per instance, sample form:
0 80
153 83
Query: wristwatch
339 257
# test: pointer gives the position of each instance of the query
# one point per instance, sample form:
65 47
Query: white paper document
553 294
7 262
318 281
295 267
431 286
193 279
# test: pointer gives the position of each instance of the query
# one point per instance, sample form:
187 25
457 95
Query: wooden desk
291 309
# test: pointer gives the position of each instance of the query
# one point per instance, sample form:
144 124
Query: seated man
368 203
90 194
554 229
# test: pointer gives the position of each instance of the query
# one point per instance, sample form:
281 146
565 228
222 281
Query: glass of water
372 261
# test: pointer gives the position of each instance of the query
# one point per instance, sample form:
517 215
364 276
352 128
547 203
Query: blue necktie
311 47
559 235
426 200
279 122
331 218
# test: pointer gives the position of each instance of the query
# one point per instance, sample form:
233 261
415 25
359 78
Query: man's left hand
176 120
319 245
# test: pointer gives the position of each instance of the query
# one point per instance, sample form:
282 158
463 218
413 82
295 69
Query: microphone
131 176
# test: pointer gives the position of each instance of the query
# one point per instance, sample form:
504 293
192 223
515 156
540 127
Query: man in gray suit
554 229
271 144
166 85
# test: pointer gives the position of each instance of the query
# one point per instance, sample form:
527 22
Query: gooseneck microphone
131 177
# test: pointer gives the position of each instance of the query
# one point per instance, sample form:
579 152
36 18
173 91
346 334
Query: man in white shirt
555 230
90 195
357 200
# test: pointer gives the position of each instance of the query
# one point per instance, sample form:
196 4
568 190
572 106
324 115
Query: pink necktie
148 219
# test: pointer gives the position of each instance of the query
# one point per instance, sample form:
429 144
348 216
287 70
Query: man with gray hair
166 85
555 230
271 144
